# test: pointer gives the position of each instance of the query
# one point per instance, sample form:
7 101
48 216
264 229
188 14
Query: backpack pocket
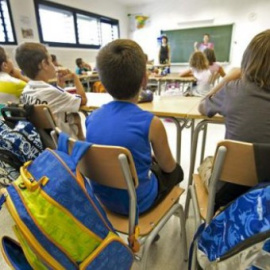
111 254
13 254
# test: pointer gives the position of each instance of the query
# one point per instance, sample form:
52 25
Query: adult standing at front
164 52
206 44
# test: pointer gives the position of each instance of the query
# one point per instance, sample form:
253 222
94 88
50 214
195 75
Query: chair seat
202 195
147 221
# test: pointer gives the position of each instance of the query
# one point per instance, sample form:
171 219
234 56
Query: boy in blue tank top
122 69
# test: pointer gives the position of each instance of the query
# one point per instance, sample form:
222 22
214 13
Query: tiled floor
166 253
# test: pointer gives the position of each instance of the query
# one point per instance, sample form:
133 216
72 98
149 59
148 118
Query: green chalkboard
182 40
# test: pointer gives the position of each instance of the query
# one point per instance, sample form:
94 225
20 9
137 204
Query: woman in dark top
164 52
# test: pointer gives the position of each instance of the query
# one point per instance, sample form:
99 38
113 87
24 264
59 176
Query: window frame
12 28
74 12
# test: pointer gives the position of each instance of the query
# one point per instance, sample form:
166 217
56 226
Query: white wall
66 56
249 18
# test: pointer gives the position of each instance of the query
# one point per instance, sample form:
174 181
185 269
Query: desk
175 107
174 77
88 79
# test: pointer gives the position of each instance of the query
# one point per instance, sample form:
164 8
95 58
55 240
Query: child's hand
65 74
16 73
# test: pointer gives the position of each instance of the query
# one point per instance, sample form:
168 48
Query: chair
114 167
43 119
234 162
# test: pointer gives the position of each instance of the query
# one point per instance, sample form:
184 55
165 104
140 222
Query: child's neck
41 77
132 100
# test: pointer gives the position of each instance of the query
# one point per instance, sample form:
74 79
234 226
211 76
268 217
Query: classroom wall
249 17
24 16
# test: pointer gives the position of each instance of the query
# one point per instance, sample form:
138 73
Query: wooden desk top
195 114
171 77
81 77
166 106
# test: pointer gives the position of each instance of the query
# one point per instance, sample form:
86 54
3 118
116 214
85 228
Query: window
7 33
64 26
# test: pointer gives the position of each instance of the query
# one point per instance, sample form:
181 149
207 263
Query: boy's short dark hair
3 56
79 61
29 55
121 65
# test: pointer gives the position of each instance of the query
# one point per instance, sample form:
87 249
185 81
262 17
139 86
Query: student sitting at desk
243 98
12 81
214 66
82 67
199 68
122 123
36 63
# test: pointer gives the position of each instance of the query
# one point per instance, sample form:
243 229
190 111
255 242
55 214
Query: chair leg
146 247
183 234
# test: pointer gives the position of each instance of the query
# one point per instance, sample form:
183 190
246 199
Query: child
122 123
12 81
36 63
199 68
82 67
164 52
213 65
54 60
243 98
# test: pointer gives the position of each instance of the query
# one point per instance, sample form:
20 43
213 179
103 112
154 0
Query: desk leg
180 124
159 88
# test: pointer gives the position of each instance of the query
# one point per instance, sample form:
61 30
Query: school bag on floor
59 224
19 143
238 238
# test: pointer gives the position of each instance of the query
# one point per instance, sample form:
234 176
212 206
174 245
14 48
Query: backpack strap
78 150
63 142
192 245
2 199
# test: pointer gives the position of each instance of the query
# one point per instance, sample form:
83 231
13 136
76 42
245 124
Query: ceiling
135 2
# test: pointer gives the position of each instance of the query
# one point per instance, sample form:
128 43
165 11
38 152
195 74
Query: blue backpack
239 236
18 144
58 221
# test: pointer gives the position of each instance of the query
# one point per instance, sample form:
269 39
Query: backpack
239 236
18 144
59 222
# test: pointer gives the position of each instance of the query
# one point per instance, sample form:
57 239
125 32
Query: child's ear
144 81
4 67
44 64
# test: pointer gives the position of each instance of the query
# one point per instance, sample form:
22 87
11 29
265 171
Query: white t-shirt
60 102
202 77
10 88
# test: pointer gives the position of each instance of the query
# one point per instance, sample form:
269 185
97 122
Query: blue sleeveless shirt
124 124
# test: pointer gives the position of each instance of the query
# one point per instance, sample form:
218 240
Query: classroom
145 22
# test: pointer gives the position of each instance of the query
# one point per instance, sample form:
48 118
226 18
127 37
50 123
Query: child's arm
186 73
221 71
232 75
68 75
159 141
16 73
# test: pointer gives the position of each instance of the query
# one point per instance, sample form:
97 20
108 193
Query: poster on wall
26 29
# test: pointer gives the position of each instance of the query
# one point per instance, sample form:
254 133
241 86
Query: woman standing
164 52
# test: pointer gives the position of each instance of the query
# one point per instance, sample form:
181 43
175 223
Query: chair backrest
101 164
239 163
234 162
42 117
